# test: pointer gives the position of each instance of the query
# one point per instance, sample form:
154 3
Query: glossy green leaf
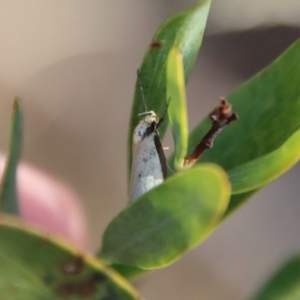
266 168
38 267
183 31
128 272
177 110
169 220
284 285
268 106
8 191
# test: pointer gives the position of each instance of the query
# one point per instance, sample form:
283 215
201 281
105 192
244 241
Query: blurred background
73 63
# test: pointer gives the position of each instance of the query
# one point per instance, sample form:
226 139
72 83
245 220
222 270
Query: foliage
178 215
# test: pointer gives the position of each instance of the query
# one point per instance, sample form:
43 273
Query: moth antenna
146 113
142 90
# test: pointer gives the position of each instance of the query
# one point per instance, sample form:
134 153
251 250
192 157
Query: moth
149 164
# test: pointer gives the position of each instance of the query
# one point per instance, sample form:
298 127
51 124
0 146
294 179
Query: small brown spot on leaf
156 45
16 104
65 289
87 288
73 267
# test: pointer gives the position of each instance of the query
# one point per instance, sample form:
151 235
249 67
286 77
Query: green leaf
8 191
268 106
36 267
128 272
285 284
168 220
261 171
183 31
177 110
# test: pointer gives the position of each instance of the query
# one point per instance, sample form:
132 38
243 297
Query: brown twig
220 116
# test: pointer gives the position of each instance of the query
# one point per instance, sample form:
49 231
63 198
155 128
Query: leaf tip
16 104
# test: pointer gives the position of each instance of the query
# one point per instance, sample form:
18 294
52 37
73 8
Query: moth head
146 126
151 117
